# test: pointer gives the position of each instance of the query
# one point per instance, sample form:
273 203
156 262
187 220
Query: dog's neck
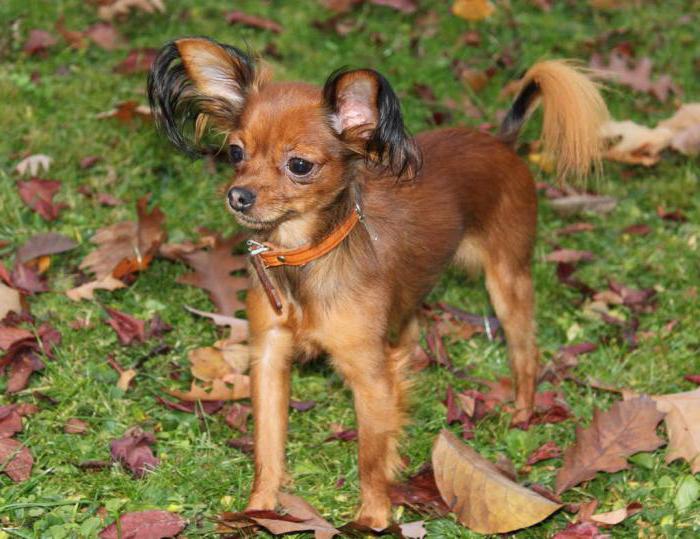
310 228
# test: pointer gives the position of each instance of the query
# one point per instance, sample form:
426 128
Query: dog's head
294 146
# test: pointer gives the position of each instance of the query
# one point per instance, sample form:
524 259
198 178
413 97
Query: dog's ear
194 81
365 113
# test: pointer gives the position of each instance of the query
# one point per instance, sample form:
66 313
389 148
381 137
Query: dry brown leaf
15 460
301 510
212 272
638 77
125 378
87 291
683 425
483 499
239 327
611 518
10 301
573 204
123 7
217 391
472 10
127 247
628 427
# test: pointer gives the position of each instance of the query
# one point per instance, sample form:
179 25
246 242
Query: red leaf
10 421
38 195
341 433
192 407
420 493
695 378
48 243
38 42
75 426
145 525
405 6
254 21
27 280
549 450
242 443
575 228
301 406
668 215
15 460
133 451
89 161
237 416
20 371
582 530
640 229
128 328
104 35
137 61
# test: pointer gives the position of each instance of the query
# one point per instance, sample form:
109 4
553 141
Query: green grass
199 475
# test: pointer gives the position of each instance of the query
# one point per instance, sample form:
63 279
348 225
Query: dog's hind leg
509 283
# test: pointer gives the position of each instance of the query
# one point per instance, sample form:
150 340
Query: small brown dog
310 163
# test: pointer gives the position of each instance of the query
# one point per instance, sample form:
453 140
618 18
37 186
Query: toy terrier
354 221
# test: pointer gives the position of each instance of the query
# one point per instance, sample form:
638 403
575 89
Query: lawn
49 105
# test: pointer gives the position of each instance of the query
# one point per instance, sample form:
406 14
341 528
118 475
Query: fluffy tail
574 111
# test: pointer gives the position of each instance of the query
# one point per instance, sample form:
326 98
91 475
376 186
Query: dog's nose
240 199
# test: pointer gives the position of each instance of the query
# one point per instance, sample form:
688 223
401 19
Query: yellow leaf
472 10
218 390
208 364
43 263
482 498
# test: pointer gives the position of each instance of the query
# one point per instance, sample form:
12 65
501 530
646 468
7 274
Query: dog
354 221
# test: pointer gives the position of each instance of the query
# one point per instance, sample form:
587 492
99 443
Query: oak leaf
33 164
683 425
628 427
119 8
127 247
87 290
212 272
482 498
38 195
236 386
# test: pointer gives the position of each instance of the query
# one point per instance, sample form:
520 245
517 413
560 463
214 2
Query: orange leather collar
272 256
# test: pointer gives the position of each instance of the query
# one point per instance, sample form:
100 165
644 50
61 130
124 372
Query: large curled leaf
483 499
683 425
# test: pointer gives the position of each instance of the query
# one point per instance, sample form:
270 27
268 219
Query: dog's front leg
377 386
271 349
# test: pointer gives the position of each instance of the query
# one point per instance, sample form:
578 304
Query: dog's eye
235 153
299 166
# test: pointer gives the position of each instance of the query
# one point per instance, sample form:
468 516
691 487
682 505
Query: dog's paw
374 517
262 501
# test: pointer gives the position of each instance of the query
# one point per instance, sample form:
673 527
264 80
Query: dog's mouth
254 223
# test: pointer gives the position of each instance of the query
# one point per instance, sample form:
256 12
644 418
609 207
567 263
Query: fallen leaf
137 61
212 272
126 112
89 161
694 378
127 327
639 229
638 77
34 164
342 434
125 378
134 452
404 6
127 247
38 42
10 301
87 291
301 406
671 215
683 425
105 36
628 427
15 460
481 497
236 416
575 228
38 195
307 518
570 205
611 518
244 444
254 21
549 450
569 256
217 390
75 426
48 243
196 407
473 10
413 530
239 327
109 9
145 525
10 421
580 530
420 493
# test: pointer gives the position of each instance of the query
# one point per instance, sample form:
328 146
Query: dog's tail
574 111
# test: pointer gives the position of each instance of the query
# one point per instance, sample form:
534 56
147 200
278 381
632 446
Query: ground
49 105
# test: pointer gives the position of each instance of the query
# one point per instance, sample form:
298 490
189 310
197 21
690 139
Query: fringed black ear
366 114
194 81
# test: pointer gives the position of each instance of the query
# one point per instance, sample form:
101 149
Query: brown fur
473 203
